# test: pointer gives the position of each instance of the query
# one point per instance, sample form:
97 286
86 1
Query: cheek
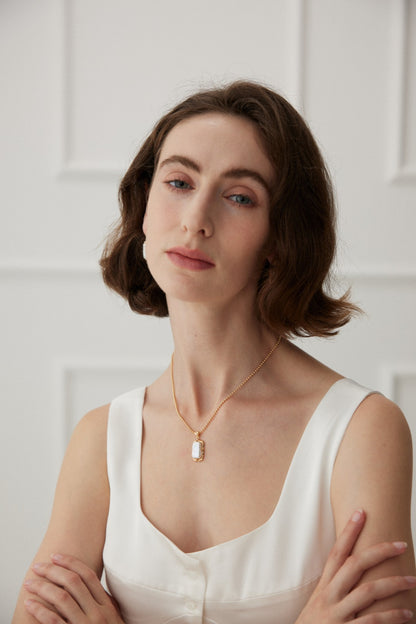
160 213
253 239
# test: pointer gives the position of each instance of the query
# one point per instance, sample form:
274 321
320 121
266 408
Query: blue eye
179 184
243 200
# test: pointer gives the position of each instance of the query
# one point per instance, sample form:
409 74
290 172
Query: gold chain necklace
198 445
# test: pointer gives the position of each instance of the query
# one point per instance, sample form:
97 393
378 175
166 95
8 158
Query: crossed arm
368 575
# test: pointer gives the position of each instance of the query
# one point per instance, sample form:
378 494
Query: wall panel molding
400 170
66 368
48 268
296 52
69 268
369 272
392 373
73 167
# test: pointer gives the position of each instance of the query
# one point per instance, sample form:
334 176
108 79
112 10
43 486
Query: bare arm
340 597
374 470
78 521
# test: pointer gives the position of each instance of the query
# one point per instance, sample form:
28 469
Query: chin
189 295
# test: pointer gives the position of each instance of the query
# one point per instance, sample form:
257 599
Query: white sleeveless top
265 576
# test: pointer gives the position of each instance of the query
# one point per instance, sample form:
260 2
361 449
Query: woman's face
207 216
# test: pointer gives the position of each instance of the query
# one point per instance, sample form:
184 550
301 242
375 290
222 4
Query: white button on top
191 605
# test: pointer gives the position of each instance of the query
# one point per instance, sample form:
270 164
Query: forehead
220 141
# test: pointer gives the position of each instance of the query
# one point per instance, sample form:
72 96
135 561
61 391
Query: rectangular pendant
198 450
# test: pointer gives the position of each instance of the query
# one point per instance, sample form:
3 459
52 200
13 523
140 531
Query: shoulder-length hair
292 294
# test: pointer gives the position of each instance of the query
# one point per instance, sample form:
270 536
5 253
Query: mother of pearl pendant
198 450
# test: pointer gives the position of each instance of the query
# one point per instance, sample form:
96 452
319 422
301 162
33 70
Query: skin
210 192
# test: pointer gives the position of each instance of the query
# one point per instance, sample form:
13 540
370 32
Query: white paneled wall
153 55
83 81
404 129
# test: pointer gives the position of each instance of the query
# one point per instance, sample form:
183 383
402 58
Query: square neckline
263 526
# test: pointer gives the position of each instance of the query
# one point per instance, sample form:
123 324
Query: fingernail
36 566
407 613
56 557
357 515
28 583
400 545
411 580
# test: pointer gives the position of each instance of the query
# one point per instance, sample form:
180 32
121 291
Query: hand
72 592
337 600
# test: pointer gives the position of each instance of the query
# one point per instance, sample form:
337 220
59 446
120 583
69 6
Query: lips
193 259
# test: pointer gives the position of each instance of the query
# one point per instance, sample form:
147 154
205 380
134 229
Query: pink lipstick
191 259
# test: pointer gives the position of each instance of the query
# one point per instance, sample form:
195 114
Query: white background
82 83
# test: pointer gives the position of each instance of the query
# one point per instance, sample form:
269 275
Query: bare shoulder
82 492
79 515
378 406
87 448
95 421
378 425
373 470
92 430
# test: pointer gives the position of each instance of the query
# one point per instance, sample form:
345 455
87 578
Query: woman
217 493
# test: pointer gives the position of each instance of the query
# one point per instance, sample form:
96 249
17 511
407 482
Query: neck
214 352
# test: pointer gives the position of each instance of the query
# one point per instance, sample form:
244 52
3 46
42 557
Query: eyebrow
237 172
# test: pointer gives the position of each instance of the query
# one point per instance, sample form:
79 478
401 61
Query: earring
144 250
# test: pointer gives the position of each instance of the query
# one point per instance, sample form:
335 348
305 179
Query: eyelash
176 184
172 184
245 197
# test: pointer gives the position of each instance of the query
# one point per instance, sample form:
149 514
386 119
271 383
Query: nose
197 217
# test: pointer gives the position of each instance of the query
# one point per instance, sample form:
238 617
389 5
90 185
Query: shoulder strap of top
334 413
124 439
318 448
305 502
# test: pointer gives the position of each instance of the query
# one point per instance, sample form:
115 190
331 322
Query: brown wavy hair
292 295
